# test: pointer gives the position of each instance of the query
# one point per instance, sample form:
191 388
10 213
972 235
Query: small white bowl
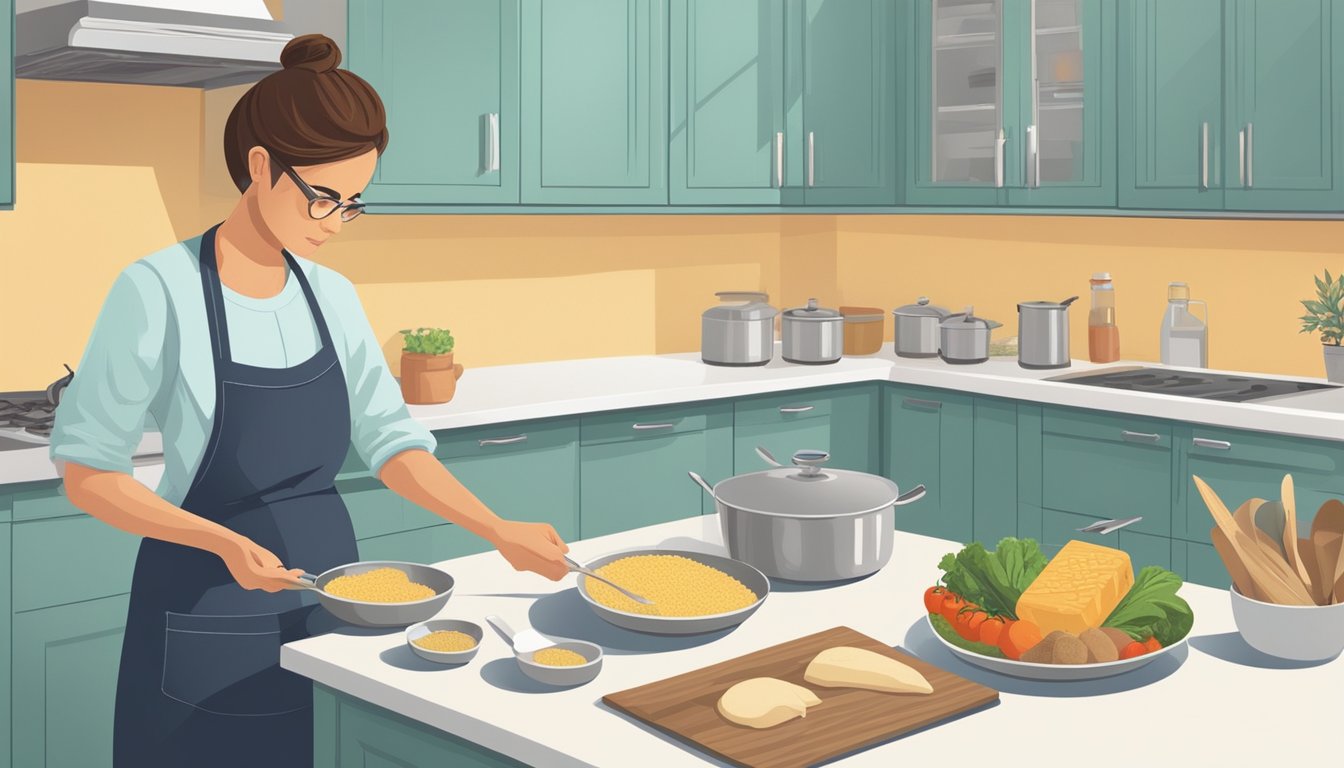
564 676
1295 632
417 631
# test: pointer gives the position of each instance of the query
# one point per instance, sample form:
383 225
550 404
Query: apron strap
318 319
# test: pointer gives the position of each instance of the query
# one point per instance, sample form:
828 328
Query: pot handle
1065 303
700 481
914 494
769 457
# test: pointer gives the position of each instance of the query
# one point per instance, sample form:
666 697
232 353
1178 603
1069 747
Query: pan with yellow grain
691 592
363 594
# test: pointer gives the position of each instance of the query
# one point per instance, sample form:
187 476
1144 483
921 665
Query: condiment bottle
1103 336
1185 338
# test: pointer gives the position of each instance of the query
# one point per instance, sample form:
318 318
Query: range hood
191 43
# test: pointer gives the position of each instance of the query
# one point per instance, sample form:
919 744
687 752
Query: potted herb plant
1325 315
428 374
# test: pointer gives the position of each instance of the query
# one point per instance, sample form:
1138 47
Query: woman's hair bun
317 53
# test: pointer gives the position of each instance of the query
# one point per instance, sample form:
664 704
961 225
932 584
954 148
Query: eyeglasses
321 206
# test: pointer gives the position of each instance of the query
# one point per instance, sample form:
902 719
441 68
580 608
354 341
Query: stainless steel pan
367 614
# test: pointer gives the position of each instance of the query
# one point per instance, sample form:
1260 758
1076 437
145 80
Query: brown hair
308 113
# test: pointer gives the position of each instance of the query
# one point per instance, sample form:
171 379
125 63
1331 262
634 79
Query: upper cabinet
448 75
6 103
594 102
1232 105
1012 103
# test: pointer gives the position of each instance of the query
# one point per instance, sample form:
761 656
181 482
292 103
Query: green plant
428 341
1325 315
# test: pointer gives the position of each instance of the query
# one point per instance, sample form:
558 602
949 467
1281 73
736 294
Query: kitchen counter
1179 710
506 393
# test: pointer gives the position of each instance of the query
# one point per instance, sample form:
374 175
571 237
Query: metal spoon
576 568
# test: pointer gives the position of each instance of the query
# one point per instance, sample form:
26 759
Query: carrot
952 605
968 622
1151 644
991 630
933 599
1133 649
1020 637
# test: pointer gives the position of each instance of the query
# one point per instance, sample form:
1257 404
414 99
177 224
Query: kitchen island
1183 709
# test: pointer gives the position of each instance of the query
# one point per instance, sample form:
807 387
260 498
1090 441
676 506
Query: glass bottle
1103 335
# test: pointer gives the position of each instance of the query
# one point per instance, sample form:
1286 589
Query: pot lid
965 321
1046 304
811 312
921 308
808 490
752 305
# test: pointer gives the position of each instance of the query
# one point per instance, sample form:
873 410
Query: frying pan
368 614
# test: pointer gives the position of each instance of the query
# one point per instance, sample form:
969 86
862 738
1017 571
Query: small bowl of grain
568 662
446 641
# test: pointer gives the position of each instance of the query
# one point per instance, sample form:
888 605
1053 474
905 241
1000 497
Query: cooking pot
740 333
812 335
807 523
917 328
964 338
1043 333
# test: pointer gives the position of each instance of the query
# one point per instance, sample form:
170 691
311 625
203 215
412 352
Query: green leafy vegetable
994 580
428 341
950 635
1152 608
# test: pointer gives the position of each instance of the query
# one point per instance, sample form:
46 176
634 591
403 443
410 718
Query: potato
1068 650
1119 638
1043 652
1099 646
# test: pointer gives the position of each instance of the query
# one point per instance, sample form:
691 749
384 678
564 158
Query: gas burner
1196 384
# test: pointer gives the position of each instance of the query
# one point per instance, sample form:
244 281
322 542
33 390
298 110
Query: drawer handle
915 402
1221 445
1141 437
797 409
663 425
502 440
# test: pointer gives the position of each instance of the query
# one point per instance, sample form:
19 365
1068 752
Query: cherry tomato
952 605
991 630
933 599
968 623
1133 649
1151 644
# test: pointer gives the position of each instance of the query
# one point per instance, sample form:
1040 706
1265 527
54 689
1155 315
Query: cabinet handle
492 159
1221 445
914 402
1033 157
502 440
999 145
1140 437
1204 157
811 158
779 159
796 409
1241 157
1250 155
664 425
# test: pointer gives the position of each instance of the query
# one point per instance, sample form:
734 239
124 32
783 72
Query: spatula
1307 554
1241 577
1268 583
1290 540
1327 535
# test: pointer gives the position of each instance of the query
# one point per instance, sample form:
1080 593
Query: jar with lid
1103 335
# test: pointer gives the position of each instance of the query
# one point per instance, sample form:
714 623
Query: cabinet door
1059 528
1171 104
1067 92
727 101
594 84
6 640
639 478
929 440
448 76
849 102
364 735
6 103
840 422
1285 106
995 470
423 545
65 681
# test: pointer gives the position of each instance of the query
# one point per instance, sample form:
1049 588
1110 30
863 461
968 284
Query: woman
260 368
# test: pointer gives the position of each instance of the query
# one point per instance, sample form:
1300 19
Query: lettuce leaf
950 635
994 580
1152 608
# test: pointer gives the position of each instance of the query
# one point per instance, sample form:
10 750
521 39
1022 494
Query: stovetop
26 416
1204 385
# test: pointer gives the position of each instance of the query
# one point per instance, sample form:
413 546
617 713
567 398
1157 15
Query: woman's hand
255 567
534 547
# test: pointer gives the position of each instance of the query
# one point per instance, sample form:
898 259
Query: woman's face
284 207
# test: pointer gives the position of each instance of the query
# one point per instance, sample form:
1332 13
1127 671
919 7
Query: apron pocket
230 665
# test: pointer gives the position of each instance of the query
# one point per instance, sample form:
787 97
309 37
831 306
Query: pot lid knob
922 301
810 461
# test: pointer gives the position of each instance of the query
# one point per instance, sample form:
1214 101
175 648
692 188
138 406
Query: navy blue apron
200 682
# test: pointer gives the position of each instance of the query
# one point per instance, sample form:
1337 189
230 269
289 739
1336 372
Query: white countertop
506 393
1183 709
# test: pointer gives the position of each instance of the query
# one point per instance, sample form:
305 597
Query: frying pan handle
306 581
502 627
767 456
914 494
700 481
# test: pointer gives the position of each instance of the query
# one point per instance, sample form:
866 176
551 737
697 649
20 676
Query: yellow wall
95 193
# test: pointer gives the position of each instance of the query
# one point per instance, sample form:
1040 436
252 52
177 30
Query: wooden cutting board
847 720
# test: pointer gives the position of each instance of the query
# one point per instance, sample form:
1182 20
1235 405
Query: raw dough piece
846 667
764 702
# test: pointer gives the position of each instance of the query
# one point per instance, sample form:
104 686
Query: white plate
1053 672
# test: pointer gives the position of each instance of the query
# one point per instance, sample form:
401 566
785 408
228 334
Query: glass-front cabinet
1012 103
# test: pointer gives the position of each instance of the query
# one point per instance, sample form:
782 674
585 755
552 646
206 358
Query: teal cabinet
929 441
1199 564
842 421
448 75
6 104
727 102
65 662
594 102
994 471
634 465
423 545
6 639
1059 528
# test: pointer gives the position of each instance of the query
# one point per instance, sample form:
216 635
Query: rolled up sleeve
101 416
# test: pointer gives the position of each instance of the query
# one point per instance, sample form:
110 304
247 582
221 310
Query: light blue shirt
149 354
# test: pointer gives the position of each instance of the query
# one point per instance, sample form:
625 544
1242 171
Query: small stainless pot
964 338
806 523
917 328
812 335
1043 333
740 333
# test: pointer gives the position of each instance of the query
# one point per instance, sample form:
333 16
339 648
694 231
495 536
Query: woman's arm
120 500
419 477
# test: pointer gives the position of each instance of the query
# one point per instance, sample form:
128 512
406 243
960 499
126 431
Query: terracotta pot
428 379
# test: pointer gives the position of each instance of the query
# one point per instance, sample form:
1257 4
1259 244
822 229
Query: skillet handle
502 627
914 494
700 481
306 581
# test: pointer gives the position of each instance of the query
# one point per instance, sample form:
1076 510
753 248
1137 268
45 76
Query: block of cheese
764 702
1078 588
846 667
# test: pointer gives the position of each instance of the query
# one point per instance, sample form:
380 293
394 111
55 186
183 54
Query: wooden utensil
1307 553
1245 515
846 720
1291 543
1327 536
1269 520
1268 583
1241 578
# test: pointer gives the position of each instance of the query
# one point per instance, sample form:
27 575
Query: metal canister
812 335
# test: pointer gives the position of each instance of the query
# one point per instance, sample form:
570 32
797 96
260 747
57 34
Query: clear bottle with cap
1185 338
1103 335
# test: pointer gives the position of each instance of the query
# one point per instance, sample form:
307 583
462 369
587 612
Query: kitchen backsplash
96 195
